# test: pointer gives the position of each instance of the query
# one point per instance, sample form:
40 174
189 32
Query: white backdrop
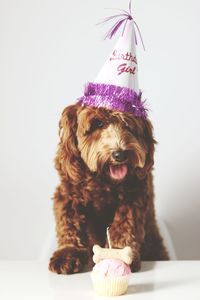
48 50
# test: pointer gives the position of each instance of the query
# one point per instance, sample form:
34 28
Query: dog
104 160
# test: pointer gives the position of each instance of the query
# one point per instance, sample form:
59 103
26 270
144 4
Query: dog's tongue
118 172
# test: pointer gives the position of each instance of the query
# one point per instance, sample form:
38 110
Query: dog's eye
96 123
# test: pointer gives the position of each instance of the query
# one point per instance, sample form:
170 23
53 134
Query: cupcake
110 277
112 268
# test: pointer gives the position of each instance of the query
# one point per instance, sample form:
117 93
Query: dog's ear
67 160
150 143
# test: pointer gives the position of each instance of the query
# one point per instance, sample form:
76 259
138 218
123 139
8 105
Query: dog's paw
136 265
68 261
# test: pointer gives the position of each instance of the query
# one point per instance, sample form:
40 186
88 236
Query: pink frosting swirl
112 267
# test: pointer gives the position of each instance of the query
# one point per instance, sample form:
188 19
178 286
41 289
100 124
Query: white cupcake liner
109 285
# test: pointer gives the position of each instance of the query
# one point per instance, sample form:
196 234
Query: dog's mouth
118 172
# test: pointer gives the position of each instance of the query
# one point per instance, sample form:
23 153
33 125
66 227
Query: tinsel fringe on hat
115 98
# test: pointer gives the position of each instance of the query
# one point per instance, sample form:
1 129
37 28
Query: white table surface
27 280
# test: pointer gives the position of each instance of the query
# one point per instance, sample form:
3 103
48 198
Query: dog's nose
119 155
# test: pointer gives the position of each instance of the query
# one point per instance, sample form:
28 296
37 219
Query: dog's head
109 143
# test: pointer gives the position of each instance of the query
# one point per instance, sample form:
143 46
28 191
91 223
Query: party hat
116 86
121 68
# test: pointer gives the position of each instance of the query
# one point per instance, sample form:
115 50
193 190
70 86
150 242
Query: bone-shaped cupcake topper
125 254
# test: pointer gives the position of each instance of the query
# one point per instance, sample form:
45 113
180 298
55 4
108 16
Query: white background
48 51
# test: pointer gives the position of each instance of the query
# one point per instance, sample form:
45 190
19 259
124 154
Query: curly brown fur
92 195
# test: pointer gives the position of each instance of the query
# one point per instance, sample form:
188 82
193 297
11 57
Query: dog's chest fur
100 204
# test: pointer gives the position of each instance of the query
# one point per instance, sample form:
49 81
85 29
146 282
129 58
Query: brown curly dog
104 161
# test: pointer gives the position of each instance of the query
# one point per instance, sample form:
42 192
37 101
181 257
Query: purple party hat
116 86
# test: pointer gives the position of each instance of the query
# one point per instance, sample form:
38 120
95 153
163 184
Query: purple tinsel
123 17
115 98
